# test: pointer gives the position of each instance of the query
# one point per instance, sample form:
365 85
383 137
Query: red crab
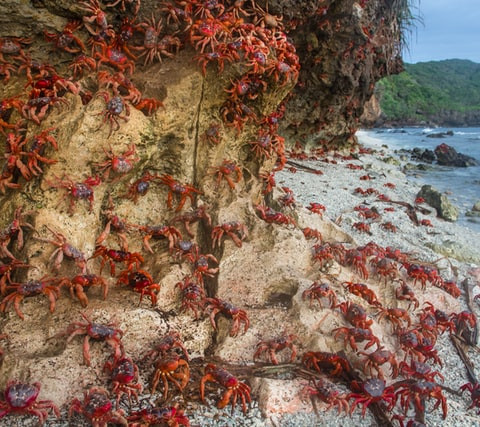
167 343
363 291
329 395
234 229
323 254
124 376
6 271
30 289
206 32
288 198
418 391
266 144
269 181
13 46
159 232
395 315
80 63
388 226
14 230
226 170
202 267
98 332
277 344
117 224
113 111
474 390
112 256
216 306
37 107
185 250
234 387
316 208
120 165
171 368
312 233
355 314
183 190
317 291
405 293
140 186
443 320
170 416
133 3
335 364
64 249
354 335
97 408
36 151
371 391
66 40
357 259
362 227
270 216
193 295
153 46
212 134
76 190
120 84
192 217
420 371
142 282
14 156
148 106
78 284
21 399
376 359
97 16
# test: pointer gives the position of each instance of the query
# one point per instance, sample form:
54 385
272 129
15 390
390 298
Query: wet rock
445 209
475 211
448 156
391 161
427 156
440 134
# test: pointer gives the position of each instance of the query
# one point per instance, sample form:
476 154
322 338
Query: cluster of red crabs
221 32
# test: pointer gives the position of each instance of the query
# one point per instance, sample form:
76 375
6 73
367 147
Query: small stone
476 207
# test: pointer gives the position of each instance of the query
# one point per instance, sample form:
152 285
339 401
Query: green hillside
431 91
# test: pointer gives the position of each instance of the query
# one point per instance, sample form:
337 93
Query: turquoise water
462 185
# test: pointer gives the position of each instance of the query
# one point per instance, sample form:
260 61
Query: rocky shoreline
283 401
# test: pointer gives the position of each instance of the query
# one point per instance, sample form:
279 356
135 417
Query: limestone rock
445 209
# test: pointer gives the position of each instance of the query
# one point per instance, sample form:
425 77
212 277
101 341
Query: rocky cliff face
105 154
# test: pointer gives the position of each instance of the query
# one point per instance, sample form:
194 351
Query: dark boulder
440 134
448 156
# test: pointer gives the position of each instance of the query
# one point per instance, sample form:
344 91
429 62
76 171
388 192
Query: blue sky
451 29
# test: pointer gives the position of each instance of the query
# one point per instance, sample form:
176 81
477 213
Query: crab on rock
216 305
21 398
97 408
96 331
234 387
277 344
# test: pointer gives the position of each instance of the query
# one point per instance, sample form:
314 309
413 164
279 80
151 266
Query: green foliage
429 88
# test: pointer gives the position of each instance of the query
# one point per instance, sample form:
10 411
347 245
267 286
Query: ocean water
461 185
